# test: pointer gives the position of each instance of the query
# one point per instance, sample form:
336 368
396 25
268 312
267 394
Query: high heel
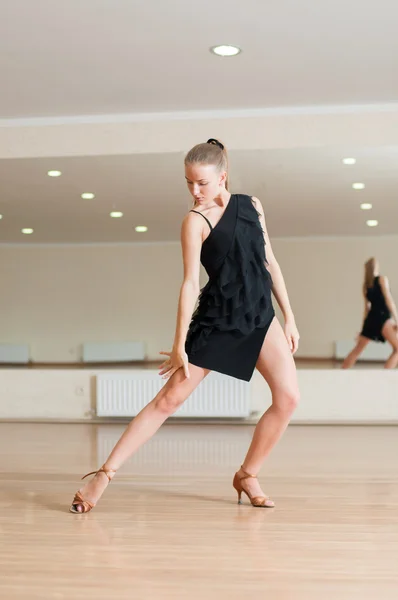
256 501
86 505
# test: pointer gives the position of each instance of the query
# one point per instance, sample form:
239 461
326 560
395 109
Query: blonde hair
212 152
370 267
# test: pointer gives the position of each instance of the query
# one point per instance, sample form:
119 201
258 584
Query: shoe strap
79 500
102 470
247 475
259 500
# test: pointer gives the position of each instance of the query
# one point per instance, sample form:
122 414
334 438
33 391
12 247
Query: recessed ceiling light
358 186
225 50
141 229
366 206
349 161
372 223
88 196
116 214
1 216
27 231
54 173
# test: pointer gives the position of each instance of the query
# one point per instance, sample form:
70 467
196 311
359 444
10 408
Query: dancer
233 330
380 317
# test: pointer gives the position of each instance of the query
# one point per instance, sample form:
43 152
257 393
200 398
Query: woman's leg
389 331
276 365
352 358
172 395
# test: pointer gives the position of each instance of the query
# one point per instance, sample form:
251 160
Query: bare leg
390 333
145 424
353 356
276 365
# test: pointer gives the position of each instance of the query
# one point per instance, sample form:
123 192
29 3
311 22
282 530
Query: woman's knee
287 399
394 343
168 401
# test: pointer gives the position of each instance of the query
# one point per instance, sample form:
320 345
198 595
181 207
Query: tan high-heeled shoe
78 500
256 501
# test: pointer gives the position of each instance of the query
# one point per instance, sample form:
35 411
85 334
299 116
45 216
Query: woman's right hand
178 359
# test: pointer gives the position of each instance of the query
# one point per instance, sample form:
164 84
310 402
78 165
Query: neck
223 197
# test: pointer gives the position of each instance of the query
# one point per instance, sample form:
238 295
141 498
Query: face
204 182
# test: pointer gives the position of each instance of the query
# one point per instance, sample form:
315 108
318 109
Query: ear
223 177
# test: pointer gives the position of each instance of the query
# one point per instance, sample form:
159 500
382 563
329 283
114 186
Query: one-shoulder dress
235 308
378 314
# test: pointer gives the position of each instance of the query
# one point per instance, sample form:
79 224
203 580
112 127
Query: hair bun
215 143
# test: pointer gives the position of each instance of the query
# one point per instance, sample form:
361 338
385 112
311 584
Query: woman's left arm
279 287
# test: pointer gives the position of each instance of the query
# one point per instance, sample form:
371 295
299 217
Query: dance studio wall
56 297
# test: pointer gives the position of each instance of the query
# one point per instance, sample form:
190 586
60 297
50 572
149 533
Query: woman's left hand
292 335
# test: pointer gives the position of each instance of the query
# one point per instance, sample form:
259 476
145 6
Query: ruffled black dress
235 308
378 314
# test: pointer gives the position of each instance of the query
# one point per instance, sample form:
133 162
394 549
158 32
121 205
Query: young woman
380 318
233 330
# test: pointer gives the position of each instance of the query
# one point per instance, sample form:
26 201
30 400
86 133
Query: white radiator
125 394
113 351
14 353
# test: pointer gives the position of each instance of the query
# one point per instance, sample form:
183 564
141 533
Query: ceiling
132 56
124 58
305 192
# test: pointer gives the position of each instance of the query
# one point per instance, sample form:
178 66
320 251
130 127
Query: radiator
14 353
125 394
113 351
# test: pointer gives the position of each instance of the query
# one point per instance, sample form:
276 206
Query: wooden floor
168 527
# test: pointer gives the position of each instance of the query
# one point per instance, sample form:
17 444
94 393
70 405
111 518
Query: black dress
377 315
235 307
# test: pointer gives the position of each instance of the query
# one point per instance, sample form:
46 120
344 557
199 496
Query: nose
196 191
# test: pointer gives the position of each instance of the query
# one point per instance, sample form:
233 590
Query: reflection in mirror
81 276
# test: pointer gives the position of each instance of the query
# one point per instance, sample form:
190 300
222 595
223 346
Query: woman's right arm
388 298
191 242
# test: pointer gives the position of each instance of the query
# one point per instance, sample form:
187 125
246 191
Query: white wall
324 278
57 297
327 395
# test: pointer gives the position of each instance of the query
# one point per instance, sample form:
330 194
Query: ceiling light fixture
116 214
54 173
358 186
141 229
372 223
225 50
349 161
88 196
366 206
1 216
27 231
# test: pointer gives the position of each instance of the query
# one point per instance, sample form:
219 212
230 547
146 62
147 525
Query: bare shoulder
383 280
192 222
191 227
